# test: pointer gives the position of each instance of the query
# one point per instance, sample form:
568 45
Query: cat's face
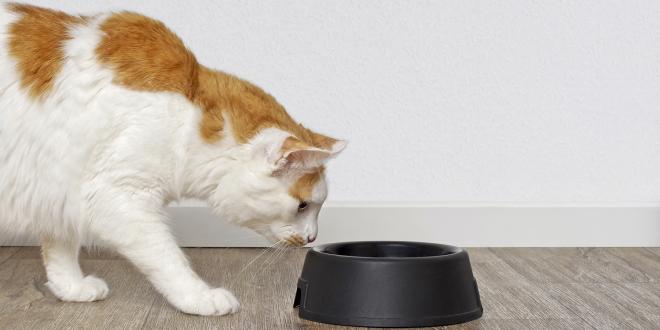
293 208
280 191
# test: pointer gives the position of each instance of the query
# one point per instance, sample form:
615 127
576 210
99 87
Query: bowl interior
389 249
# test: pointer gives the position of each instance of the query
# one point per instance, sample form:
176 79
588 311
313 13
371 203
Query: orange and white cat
106 119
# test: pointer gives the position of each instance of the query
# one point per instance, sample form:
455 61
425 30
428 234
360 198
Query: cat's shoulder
145 54
34 39
142 52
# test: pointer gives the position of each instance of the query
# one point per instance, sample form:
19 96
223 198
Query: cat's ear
295 154
328 143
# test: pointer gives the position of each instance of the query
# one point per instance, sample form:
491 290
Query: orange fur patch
248 106
303 187
145 55
35 41
322 141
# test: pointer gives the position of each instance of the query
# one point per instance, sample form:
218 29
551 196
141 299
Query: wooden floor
521 288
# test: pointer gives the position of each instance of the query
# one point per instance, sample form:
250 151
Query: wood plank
640 298
23 299
266 290
127 306
507 294
640 259
495 324
27 303
523 302
520 288
7 252
489 269
570 265
602 305
655 250
28 252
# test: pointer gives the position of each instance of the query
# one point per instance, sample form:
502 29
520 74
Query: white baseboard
463 224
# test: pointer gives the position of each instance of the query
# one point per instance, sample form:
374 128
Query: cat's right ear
297 155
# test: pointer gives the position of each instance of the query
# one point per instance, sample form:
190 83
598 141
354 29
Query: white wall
451 100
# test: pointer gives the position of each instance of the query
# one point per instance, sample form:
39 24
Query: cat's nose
311 238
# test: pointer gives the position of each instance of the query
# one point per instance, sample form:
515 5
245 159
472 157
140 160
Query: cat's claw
90 288
209 302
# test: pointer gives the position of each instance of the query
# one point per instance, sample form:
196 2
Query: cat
106 119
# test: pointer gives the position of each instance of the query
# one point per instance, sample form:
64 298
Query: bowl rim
455 250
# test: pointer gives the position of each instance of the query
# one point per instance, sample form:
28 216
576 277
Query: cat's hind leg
65 278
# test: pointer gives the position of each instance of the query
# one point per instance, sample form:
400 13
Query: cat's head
279 187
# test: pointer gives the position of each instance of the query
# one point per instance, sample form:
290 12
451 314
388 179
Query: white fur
96 163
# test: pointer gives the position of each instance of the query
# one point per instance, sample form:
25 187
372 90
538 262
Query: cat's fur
105 119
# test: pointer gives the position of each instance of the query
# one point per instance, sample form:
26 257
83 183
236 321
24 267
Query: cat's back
46 130
34 42
63 101
48 74
56 63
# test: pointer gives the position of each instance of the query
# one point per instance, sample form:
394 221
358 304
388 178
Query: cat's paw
208 302
90 288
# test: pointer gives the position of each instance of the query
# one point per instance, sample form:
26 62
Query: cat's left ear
297 155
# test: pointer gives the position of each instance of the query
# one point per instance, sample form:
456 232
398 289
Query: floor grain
6 253
521 288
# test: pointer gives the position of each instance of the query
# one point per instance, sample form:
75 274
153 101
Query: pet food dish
388 284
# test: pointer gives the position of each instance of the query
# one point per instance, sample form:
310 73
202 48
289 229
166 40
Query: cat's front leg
65 278
142 236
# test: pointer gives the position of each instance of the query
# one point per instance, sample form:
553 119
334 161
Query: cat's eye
302 206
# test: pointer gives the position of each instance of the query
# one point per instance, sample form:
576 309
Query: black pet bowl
388 284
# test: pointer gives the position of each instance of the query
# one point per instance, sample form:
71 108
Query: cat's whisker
256 258
266 260
269 260
282 252
278 255
273 258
